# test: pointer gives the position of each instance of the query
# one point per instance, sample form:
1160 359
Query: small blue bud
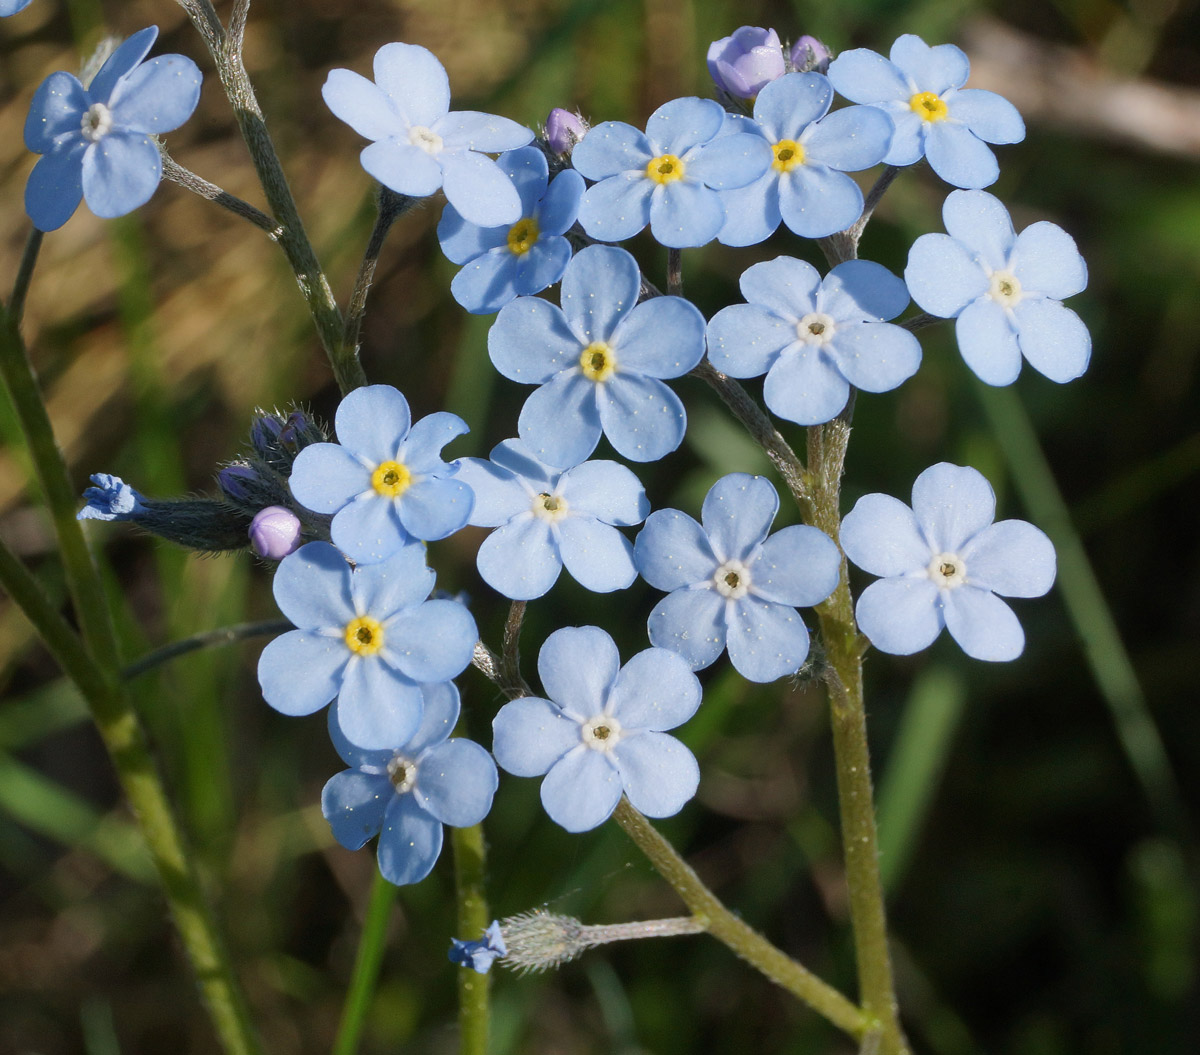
479 955
563 130
809 55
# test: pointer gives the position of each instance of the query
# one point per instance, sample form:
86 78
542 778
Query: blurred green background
1035 817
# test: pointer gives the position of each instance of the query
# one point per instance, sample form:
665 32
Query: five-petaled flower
731 585
943 564
1005 290
367 636
97 143
407 792
601 732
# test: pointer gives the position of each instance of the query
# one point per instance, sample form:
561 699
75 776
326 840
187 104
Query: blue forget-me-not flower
921 89
407 792
668 176
419 145
812 150
502 263
97 143
481 954
11 7
815 338
368 636
601 731
111 498
384 481
943 564
732 586
599 361
546 517
1005 290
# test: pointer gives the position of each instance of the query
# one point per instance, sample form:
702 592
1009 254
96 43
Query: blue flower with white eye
384 481
546 517
943 564
419 145
921 89
815 338
599 361
1005 290
368 636
97 143
406 793
502 263
600 734
11 7
732 586
667 177
812 150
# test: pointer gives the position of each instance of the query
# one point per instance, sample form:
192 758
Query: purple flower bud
744 63
564 129
809 55
275 532
233 480
264 431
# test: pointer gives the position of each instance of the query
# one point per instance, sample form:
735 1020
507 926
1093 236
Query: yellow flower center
929 106
788 154
665 169
598 362
391 479
364 635
522 236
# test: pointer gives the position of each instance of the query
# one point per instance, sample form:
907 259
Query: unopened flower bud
564 129
809 55
236 481
743 64
264 431
275 532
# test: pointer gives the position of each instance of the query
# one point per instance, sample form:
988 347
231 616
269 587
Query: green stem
16 303
734 933
474 1013
225 635
371 946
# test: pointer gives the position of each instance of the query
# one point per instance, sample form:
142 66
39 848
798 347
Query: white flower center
600 733
1006 289
947 570
549 507
96 122
402 771
732 580
425 138
815 328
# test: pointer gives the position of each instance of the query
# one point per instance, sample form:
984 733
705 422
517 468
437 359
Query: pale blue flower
1005 290
420 146
732 586
11 7
368 636
667 177
546 517
921 89
407 792
815 338
812 150
599 360
111 499
601 731
481 954
97 143
384 481
944 562
742 64
502 263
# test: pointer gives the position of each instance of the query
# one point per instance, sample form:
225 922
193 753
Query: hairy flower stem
112 709
733 932
391 206
470 859
188 180
225 635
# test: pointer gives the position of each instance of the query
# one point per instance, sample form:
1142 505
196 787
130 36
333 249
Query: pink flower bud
275 532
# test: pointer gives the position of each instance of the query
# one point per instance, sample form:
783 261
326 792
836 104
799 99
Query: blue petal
785 286
312 587
372 423
988 342
581 790
881 535
851 139
409 843
765 641
642 418
421 450
662 337
660 775
1053 339
610 148
120 173
401 581
1011 558
864 76
751 212
943 276
529 171
598 556
158 96
805 386
990 116
372 762
463 242
404 168
378 707
690 623
362 105
488 282
983 625
961 158
875 356
57 109
673 551
478 188
1046 260
737 514
560 422
542 266
618 207
685 214
499 495
606 490
353 803
798 565
122 61
301 671
933 69
519 559
531 342
909 136
530 735
455 782
981 223
952 503
326 476
432 642
442 705
816 201
559 208
900 616
578 665
368 530
599 290
731 161
655 690
513 456
55 187
789 104
487 133
861 289
414 82
678 125
744 339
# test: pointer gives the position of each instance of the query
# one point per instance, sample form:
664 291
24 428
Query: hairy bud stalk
540 940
